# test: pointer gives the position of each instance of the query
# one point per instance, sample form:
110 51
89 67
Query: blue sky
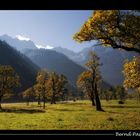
46 27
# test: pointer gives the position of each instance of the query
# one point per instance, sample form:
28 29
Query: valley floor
79 115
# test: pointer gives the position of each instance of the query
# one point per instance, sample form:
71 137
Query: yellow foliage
8 80
111 27
132 73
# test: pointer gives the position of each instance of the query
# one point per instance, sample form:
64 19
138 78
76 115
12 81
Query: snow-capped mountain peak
20 37
44 47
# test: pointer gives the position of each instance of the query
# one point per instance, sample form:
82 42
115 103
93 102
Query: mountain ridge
51 59
112 60
24 67
19 45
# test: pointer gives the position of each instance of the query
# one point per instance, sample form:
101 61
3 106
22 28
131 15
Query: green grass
71 116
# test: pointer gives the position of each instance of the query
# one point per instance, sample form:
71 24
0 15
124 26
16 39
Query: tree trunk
39 104
92 95
98 103
93 102
44 103
53 101
0 107
0 104
27 103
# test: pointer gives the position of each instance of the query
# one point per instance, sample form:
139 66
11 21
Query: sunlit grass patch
71 116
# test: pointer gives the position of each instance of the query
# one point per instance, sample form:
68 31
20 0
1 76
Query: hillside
55 61
25 68
58 62
19 45
111 59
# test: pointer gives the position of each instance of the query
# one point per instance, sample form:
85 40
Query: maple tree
132 73
40 87
118 29
115 28
55 86
29 94
9 79
89 80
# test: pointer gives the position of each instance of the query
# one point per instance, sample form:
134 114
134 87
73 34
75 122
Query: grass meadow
79 115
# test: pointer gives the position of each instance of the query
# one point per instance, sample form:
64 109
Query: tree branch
126 48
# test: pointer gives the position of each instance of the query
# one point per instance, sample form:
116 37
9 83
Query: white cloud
44 47
20 37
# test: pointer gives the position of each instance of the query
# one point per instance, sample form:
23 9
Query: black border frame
67 5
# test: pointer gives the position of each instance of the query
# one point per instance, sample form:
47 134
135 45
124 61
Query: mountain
55 61
64 51
58 62
111 59
52 59
19 45
76 57
25 68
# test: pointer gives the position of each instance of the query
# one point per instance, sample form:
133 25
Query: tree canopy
8 81
116 28
40 88
88 81
132 73
55 86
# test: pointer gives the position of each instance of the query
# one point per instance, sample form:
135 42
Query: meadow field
79 115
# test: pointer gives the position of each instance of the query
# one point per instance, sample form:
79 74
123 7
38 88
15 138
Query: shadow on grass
115 112
30 111
123 106
72 103
69 110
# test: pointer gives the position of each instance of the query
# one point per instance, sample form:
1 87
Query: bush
121 102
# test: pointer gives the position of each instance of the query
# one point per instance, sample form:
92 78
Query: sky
52 28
